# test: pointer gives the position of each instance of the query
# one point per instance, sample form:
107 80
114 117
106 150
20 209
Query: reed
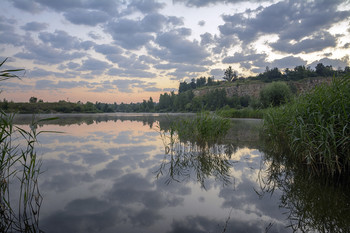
204 128
314 128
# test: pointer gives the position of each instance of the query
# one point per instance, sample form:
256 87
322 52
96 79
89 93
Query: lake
124 173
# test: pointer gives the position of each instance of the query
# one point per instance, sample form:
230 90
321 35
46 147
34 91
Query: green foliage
19 168
275 94
230 75
241 113
204 128
314 128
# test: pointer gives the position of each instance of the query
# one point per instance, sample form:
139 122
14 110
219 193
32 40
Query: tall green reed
20 199
314 128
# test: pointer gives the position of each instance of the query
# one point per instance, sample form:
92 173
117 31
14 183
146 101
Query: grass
242 113
192 149
204 128
314 129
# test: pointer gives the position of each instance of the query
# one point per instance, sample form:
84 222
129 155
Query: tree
33 100
230 75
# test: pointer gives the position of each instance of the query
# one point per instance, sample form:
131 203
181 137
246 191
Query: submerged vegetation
314 129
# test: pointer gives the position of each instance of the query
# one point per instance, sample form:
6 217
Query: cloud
125 85
288 62
335 63
141 31
46 54
94 35
201 23
124 29
176 48
7 32
29 6
317 42
86 17
145 6
133 73
204 3
52 85
107 49
299 19
34 26
92 64
60 40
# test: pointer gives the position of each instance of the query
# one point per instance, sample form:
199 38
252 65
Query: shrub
275 94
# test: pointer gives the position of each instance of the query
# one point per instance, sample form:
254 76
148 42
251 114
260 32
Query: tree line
185 100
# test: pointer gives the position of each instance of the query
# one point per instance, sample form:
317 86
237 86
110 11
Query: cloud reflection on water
102 179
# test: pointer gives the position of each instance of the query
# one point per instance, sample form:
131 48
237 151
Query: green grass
242 113
314 129
204 128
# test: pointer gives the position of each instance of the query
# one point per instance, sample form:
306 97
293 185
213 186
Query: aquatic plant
192 147
314 129
310 204
204 128
20 199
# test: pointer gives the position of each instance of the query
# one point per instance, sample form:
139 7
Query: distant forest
184 100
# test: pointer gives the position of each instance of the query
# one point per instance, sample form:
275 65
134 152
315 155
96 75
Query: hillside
253 89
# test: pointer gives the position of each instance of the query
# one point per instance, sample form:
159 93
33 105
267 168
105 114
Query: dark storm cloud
86 17
34 26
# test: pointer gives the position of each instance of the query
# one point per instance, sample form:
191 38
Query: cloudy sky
129 50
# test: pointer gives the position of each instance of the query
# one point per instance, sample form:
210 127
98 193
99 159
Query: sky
129 50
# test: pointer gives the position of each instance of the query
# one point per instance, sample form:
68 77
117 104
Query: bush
275 94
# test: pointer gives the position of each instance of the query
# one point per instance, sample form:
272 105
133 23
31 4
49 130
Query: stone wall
254 89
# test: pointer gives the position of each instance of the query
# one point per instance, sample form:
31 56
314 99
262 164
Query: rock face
253 89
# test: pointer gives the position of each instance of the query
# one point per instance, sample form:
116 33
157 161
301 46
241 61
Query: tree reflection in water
313 204
187 156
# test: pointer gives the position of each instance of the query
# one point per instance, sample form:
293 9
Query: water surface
117 173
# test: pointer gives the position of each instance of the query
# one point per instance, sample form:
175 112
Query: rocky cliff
253 89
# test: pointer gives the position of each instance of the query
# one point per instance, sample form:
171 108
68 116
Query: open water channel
120 173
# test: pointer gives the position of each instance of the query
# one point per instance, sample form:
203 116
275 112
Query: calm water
118 173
